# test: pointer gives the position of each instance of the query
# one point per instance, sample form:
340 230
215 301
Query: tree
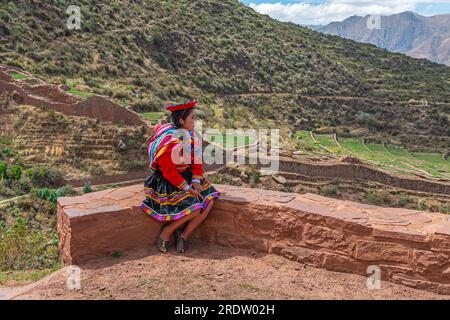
87 188
16 172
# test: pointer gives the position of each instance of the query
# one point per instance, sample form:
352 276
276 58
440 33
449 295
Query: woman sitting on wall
176 191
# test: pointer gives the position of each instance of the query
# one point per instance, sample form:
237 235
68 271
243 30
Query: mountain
245 69
407 32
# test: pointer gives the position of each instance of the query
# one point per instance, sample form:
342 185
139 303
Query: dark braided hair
178 115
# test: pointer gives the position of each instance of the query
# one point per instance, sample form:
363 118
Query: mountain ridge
407 32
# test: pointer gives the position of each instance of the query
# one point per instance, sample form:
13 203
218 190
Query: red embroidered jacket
171 171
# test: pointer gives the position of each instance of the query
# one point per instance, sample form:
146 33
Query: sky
322 12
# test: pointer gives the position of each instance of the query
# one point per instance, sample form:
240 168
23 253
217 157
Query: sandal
181 244
161 244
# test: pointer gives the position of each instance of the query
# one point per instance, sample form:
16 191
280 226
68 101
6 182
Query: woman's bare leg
194 223
172 226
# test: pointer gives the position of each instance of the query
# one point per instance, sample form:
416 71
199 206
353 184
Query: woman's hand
197 186
195 193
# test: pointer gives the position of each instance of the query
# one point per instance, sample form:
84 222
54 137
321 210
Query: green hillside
391 158
245 69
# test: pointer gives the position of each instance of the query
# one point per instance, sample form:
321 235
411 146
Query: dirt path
288 94
210 272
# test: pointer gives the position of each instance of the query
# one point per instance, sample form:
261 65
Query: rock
376 251
121 145
265 173
279 179
327 238
359 132
424 260
244 177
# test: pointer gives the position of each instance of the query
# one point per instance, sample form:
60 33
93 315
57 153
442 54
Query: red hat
181 106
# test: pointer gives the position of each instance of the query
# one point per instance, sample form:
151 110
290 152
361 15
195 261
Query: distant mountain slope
407 32
246 69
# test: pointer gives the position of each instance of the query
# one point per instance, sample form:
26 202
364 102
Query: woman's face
189 122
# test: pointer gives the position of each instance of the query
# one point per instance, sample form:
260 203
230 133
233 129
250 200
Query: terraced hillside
78 146
246 69
392 158
43 125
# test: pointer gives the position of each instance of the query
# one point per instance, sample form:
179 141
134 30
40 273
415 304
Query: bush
3 170
87 188
97 170
445 209
329 190
5 189
43 193
53 195
138 82
12 181
44 177
21 186
148 105
364 118
255 177
15 172
380 198
5 153
24 249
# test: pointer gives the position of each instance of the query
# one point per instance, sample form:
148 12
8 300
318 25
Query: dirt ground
211 272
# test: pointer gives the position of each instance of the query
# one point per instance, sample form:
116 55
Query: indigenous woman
176 191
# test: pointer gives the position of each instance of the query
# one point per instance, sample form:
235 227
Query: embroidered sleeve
170 172
197 171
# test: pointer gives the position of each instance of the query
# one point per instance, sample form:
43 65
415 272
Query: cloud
334 10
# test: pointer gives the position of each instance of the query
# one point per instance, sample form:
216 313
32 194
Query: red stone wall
410 247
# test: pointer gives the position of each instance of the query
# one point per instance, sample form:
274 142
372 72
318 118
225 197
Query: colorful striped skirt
164 202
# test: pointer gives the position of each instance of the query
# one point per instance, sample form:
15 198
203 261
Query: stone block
381 251
294 252
328 238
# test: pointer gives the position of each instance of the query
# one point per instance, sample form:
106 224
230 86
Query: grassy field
388 157
154 117
18 76
80 93
230 141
